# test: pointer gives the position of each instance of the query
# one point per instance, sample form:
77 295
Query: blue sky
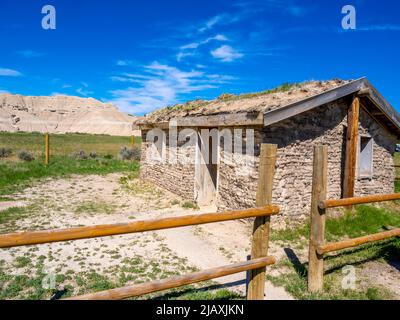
143 55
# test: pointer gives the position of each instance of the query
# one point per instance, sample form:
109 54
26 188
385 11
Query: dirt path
89 200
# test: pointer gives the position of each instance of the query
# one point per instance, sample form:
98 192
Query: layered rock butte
62 114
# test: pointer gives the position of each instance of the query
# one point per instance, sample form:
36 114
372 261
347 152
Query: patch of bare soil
127 259
385 274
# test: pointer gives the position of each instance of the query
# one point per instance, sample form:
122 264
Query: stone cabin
295 117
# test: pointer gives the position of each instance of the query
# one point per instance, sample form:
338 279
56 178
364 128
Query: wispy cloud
9 72
285 6
3 91
223 19
29 54
84 92
190 49
123 63
160 85
211 23
379 27
226 53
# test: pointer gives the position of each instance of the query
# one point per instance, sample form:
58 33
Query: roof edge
293 109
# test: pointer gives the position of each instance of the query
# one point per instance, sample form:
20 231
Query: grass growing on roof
282 88
192 105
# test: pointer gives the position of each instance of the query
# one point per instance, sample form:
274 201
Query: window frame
369 175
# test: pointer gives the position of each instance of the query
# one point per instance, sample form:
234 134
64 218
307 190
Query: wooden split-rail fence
319 205
260 259
47 147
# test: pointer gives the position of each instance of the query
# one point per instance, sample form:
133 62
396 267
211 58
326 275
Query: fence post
261 227
47 149
317 231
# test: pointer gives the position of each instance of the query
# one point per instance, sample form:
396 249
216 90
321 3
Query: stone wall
383 150
295 138
177 178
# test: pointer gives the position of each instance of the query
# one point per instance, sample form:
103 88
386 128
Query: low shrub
93 155
190 205
25 156
80 155
5 152
130 154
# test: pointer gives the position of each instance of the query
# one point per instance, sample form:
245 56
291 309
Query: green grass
192 105
191 293
14 176
63 144
281 88
92 207
296 285
190 205
364 220
13 214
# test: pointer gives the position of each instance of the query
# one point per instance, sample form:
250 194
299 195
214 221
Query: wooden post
351 149
261 227
47 149
317 232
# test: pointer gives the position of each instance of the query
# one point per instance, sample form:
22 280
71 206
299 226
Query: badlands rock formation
62 114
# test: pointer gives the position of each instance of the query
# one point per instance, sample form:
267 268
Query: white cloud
124 63
222 19
3 91
83 92
190 49
9 73
382 27
29 54
161 85
226 53
285 6
211 23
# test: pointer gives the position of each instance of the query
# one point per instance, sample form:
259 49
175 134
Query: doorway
206 172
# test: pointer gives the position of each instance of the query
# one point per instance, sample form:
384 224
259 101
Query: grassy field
16 174
63 144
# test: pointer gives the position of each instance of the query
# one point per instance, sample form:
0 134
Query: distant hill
62 114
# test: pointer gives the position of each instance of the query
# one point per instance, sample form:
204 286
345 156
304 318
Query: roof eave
298 107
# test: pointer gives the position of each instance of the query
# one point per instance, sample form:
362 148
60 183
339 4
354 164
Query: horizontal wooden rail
174 282
332 203
29 238
344 244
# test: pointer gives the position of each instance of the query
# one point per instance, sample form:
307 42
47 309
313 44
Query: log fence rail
319 205
256 265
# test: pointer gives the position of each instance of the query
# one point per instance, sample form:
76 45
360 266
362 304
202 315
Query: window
365 159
